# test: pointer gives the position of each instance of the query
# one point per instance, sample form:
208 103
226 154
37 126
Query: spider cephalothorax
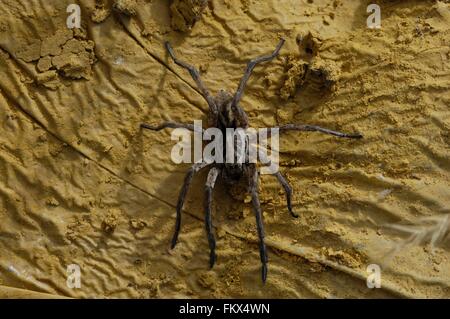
229 116
225 112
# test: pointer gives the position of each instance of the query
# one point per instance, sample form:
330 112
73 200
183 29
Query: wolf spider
225 112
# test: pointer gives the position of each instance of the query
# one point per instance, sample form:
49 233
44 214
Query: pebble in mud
185 13
109 224
309 44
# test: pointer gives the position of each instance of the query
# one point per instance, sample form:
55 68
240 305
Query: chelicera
225 112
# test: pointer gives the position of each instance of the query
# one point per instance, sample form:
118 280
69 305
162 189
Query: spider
225 112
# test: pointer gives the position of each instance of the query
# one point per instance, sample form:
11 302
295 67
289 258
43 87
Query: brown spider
225 112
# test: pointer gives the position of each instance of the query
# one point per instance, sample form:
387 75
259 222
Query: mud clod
185 13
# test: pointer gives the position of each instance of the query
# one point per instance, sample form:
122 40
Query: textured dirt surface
82 184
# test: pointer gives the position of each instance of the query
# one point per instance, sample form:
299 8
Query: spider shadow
195 198
198 261
167 191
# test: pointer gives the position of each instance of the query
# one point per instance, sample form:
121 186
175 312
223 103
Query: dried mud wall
82 184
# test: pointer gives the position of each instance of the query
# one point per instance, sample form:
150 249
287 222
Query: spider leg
311 128
259 224
284 183
187 181
250 66
196 76
164 125
288 191
211 180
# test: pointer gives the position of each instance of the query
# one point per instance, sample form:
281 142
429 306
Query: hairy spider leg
187 181
196 76
250 66
287 188
259 222
209 187
164 125
301 127
312 128
288 191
